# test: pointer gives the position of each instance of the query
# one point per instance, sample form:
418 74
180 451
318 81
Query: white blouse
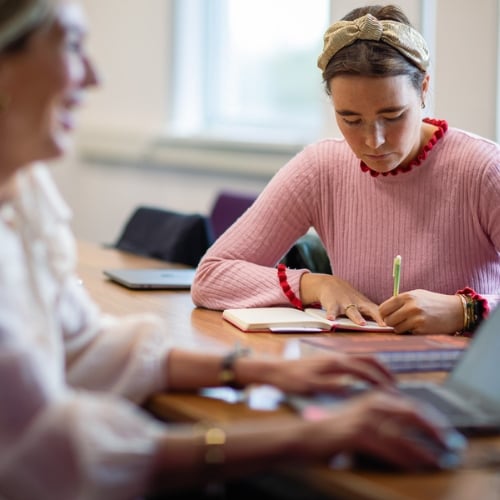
67 430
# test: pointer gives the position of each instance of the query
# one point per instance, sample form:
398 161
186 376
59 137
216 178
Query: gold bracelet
470 316
471 313
464 305
214 439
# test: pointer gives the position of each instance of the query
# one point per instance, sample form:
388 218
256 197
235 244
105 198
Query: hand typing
326 373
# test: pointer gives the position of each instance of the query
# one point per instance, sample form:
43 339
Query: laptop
470 395
150 279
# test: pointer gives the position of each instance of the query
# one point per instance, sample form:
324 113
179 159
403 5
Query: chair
228 206
166 235
308 252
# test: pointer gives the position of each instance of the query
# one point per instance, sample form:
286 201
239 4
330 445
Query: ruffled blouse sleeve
61 435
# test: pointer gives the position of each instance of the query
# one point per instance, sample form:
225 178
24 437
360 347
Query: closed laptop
137 279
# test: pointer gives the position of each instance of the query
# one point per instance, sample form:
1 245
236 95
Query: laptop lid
138 279
476 373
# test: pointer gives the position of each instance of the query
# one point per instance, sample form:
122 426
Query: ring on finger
347 307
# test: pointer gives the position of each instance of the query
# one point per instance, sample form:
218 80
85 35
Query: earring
422 105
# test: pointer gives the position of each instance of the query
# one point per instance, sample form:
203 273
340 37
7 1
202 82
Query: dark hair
11 9
371 58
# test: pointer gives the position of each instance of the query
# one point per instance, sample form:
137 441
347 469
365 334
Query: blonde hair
19 18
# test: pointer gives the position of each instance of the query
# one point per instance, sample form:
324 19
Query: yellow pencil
396 274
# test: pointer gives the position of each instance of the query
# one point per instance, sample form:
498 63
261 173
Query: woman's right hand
388 427
338 297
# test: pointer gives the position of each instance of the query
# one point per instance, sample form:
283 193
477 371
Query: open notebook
288 319
400 353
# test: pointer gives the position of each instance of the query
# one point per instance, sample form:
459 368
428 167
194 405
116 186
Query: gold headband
402 37
23 22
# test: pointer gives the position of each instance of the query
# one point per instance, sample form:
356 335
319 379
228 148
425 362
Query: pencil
396 274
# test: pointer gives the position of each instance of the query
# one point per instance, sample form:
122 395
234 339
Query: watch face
226 376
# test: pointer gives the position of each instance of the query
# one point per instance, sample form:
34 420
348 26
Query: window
246 70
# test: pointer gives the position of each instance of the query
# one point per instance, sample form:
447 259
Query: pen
396 274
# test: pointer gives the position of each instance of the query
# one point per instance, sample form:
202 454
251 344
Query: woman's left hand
423 312
327 373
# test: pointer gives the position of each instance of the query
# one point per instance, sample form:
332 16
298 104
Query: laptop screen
477 370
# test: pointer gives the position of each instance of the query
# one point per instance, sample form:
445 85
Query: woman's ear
425 89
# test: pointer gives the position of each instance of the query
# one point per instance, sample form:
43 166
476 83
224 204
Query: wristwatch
227 376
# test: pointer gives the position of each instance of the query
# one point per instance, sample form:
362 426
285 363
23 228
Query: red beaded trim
438 134
479 298
295 301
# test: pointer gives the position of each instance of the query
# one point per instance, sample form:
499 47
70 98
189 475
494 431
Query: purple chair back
227 207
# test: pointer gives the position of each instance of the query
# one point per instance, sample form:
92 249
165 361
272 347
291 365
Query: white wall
130 44
466 64
102 195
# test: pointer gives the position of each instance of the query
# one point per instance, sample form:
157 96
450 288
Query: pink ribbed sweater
442 217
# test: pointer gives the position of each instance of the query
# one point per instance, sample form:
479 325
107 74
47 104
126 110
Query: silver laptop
469 397
140 279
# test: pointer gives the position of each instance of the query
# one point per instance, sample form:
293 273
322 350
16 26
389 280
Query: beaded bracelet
475 307
290 295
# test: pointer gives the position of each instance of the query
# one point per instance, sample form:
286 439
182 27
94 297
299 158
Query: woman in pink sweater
395 184
72 378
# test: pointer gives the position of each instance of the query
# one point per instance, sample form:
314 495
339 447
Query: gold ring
350 305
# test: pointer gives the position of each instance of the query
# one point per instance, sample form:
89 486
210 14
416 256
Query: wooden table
478 479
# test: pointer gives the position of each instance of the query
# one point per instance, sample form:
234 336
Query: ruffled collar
442 127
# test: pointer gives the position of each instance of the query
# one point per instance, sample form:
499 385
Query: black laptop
469 397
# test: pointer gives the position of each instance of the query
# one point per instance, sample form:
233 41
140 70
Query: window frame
191 111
